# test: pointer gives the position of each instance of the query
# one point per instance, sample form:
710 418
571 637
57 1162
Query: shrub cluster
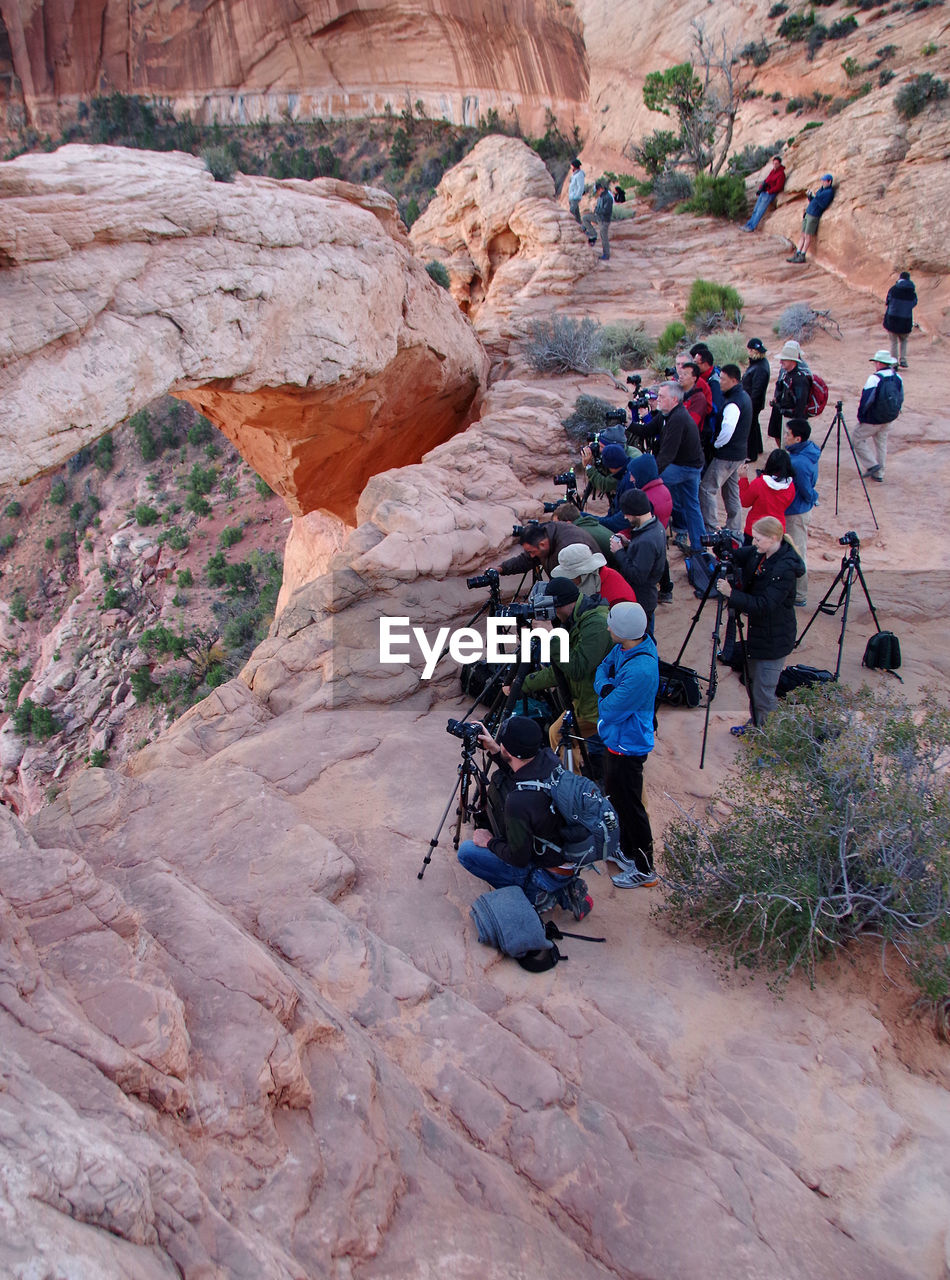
911 98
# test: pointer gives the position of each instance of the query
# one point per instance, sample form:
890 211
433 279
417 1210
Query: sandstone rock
333 348
12 747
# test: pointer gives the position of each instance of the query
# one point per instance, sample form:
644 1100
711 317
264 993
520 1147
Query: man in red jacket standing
773 183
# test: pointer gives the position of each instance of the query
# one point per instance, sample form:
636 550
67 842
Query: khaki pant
870 444
796 527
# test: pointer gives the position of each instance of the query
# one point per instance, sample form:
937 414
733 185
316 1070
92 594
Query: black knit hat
522 737
562 591
635 503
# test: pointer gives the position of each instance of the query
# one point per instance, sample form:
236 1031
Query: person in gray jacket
599 220
575 190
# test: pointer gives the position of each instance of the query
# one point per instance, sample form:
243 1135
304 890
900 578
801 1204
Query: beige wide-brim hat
883 357
577 561
791 351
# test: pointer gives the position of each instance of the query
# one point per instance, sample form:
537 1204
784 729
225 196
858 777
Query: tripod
850 569
468 771
837 423
712 680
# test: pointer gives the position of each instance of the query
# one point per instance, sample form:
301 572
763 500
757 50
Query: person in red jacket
770 493
768 190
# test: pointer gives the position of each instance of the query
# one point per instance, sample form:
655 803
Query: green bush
200 431
777 10
438 272
626 346
588 415
13 509
18 606
229 536
756 52
653 151
104 453
837 812
727 348
229 487
141 424
202 479
57 492
707 298
722 197
842 27
98 759
50 544
7 541
911 98
143 686
17 679
751 158
220 163
216 569
146 515
263 488
29 720
671 337
176 538
670 187
186 578
198 504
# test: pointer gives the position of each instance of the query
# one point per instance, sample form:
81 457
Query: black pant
623 782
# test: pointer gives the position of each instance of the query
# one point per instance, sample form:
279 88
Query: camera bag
679 685
801 676
883 653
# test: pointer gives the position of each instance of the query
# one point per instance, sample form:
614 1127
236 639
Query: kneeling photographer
524 846
767 573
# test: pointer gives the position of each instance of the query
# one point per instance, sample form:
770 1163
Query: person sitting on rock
769 189
521 845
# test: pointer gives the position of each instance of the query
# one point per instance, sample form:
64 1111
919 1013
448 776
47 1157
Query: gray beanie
627 621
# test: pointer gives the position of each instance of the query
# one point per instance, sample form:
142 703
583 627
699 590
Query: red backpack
817 396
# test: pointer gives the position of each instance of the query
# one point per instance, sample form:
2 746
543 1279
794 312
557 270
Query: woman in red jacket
770 493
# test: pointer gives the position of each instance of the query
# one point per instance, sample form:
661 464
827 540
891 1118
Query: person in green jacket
588 644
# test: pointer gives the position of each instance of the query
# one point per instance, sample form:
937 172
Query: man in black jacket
524 848
642 558
755 382
769 571
729 453
679 460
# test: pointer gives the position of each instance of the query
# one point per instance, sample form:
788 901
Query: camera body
487 579
551 507
466 730
850 539
518 529
615 415
567 478
539 606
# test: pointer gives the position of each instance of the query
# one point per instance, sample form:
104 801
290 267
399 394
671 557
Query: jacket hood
774 483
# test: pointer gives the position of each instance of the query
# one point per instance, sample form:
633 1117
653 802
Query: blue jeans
683 484
489 867
763 200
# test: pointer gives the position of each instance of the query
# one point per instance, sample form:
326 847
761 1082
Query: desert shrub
670 187
229 536
33 721
220 163
18 606
671 337
200 432
852 68
198 504
911 98
626 346
176 538
201 479
229 487
143 686
801 321
589 414
7 541
842 27
50 544
756 52
141 425
838 810
58 492
13 509
104 453
98 758
751 158
653 151
438 272
885 77
777 10
727 348
722 197
707 298
17 679
114 598
186 578
563 344
146 515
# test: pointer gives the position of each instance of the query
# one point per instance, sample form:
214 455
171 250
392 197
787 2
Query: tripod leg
867 594
713 683
860 476
433 843
839 577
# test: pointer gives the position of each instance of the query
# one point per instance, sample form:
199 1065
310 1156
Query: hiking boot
801 604
544 901
576 899
796 257
634 879
591 242
903 364
872 472
664 597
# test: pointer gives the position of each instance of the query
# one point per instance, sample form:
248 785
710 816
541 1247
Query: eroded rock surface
292 314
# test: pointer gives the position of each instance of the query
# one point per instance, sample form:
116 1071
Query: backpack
591 828
817 396
801 676
679 686
887 401
883 652
699 569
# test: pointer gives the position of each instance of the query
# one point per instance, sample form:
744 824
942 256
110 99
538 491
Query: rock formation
292 314
227 61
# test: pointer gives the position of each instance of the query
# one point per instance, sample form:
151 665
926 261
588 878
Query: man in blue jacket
805 456
818 202
627 682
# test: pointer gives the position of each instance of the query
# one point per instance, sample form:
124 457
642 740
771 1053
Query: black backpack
679 686
887 401
801 676
883 653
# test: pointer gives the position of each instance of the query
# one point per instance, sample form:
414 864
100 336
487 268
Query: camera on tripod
487 579
539 606
721 544
467 730
550 507
615 416
850 539
566 478
518 529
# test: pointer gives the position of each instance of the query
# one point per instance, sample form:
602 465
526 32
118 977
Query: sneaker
877 475
665 597
576 899
603 258
589 241
801 604
903 364
796 257
740 730
544 901
634 879
872 472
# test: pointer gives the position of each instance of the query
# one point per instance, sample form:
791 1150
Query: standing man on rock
792 389
729 452
818 202
575 190
881 401
899 314
599 220
680 460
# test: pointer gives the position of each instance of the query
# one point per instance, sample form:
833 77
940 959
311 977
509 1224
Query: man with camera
729 452
523 845
680 460
541 542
